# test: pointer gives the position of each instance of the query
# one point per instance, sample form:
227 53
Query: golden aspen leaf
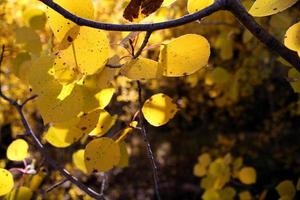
78 160
141 69
21 193
65 68
34 17
245 195
292 38
87 54
65 91
101 154
60 25
167 3
247 175
104 96
227 193
219 75
126 130
204 159
286 189
124 159
294 77
261 8
17 150
105 122
199 170
197 5
6 181
159 109
29 39
64 134
211 194
184 55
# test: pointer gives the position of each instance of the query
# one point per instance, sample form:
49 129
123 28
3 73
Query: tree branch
237 9
41 147
218 5
234 6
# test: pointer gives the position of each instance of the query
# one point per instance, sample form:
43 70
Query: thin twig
40 146
59 183
144 44
147 142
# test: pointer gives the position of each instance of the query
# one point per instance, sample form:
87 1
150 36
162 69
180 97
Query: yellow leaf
227 193
64 134
199 170
159 109
245 195
219 75
17 150
30 39
262 8
167 3
6 181
292 38
204 159
34 17
87 54
298 185
286 189
104 96
184 55
124 159
78 160
60 25
197 5
21 193
211 194
141 69
247 175
101 154
105 122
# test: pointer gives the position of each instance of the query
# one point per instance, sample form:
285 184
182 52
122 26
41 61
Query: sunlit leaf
17 150
159 109
60 25
29 39
101 154
286 189
78 160
262 8
124 159
292 38
105 122
184 55
197 5
21 193
105 96
141 69
247 175
6 181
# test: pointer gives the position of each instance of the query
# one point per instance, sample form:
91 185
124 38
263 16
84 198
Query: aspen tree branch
233 6
19 107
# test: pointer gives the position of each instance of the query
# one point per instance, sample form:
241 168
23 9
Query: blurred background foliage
236 135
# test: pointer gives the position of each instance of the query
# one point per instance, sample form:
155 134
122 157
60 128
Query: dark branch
144 44
236 8
218 5
233 6
147 142
41 147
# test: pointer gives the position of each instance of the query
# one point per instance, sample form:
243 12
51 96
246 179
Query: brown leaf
146 7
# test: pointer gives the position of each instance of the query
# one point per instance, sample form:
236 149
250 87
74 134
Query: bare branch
236 8
144 44
147 142
59 183
41 147
218 5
